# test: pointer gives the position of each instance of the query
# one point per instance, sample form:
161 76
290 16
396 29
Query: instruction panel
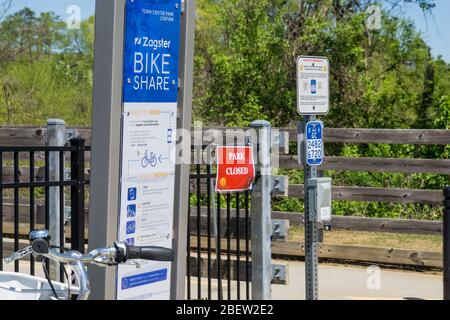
313 96
150 93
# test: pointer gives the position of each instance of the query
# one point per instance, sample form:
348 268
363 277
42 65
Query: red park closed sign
235 169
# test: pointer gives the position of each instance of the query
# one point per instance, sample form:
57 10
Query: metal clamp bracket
71 133
280 186
280 274
280 230
280 141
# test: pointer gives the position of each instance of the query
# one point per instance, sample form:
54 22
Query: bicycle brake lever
104 262
19 255
132 263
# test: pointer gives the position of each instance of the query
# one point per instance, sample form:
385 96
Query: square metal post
181 205
311 229
55 137
106 141
106 127
261 216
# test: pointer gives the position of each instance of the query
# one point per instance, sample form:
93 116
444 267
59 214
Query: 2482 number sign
314 143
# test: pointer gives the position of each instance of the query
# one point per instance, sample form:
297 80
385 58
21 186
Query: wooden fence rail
382 136
386 195
295 219
34 136
374 165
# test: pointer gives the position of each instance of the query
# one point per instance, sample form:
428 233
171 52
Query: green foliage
245 70
245 63
250 50
40 90
442 121
46 70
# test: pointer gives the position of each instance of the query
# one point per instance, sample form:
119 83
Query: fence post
446 231
261 216
55 137
77 195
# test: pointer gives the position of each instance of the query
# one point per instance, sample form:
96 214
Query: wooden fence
33 136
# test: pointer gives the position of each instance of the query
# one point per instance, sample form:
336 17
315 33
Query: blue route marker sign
314 143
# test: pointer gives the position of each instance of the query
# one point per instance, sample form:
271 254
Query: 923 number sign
314 143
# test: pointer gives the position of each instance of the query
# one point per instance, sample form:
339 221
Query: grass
428 243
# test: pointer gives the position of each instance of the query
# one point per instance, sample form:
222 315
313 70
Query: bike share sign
150 93
235 169
314 143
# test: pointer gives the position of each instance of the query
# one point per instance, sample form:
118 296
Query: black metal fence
217 269
24 195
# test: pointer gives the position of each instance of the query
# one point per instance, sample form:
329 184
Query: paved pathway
343 283
336 283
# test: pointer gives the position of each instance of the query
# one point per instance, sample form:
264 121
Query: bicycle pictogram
149 159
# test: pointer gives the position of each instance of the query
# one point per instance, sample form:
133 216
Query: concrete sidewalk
344 283
336 282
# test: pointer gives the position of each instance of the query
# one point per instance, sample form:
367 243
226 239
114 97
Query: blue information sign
149 134
152 42
314 143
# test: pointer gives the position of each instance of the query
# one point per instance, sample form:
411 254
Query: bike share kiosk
313 100
142 98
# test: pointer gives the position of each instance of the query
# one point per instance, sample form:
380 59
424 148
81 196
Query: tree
46 70
5 6
245 70
24 35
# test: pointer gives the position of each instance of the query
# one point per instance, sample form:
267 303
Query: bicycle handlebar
148 253
110 256
119 253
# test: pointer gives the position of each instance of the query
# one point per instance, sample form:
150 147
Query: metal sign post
311 234
313 99
185 95
142 95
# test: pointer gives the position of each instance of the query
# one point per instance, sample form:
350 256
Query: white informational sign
150 93
313 97
148 184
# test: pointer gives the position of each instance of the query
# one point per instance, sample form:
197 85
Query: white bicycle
16 286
